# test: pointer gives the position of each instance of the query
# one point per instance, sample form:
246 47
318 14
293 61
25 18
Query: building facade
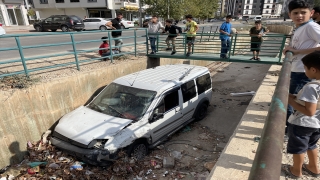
271 9
13 13
89 8
252 7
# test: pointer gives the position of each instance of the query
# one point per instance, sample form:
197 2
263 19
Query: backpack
299 94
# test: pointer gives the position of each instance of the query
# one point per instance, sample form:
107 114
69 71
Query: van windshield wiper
121 115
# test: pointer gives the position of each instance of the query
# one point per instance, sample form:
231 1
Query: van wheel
201 112
138 150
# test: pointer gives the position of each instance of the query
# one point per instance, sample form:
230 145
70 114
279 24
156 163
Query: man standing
172 31
316 15
191 29
225 34
153 28
116 24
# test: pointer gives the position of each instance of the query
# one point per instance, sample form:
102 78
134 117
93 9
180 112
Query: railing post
234 44
135 43
229 52
210 33
185 44
22 56
282 46
267 162
75 51
147 40
110 47
157 42
202 34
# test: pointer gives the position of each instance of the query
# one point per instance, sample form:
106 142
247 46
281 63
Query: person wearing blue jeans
153 28
225 33
153 44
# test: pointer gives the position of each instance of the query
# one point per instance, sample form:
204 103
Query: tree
316 3
179 8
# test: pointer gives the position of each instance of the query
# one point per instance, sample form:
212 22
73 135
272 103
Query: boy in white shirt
304 123
305 40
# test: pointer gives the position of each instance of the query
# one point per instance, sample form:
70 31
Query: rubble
168 162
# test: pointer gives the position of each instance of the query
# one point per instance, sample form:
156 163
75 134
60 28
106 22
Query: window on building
254 6
59 1
169 102
274 1
268 7
239 11
74 0
203 83
240 6
267 12
255 1
92 0
247 7
43 1
253 11
246 12
188 91
272 11
268 1
248 1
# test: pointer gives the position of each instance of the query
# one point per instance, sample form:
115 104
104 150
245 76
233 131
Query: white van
135 112
257 18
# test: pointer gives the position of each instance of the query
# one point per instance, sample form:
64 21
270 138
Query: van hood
84 125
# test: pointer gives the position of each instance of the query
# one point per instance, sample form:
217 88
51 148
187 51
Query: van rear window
203 83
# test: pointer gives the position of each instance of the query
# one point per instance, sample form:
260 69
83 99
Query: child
153 28
256 34
104 49
225 34
172 31
304 123
304 41
191 29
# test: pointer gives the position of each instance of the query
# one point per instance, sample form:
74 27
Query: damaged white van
135 112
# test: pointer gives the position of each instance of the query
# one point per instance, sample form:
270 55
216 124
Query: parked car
95 23
125 23
2 31
134 113
63 22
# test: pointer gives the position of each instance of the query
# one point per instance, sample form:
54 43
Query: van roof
162 77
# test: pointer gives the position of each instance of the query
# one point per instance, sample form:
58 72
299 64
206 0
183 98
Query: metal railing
23 59
267 162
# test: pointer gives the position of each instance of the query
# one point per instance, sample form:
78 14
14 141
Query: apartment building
271 9
252 7
13 13
89 8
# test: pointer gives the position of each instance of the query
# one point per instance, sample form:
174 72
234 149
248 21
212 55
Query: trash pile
44 162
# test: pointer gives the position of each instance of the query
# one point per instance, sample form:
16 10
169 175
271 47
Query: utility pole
168 10
140 13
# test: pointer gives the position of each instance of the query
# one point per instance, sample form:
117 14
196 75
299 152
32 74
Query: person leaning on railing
256 34
154 27
104 49
172 31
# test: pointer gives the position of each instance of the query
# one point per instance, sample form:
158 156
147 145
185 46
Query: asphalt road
63 38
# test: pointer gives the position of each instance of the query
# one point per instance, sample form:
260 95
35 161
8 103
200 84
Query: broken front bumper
91 156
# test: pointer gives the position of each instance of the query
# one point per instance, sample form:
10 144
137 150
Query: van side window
188 91
169 102
203 83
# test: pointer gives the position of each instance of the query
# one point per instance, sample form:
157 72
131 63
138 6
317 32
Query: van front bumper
91 156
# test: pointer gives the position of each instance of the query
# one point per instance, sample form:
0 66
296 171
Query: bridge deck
216 57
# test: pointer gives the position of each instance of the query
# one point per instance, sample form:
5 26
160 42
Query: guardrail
20 47
267 162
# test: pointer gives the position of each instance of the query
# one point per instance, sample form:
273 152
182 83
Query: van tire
201 111
138 149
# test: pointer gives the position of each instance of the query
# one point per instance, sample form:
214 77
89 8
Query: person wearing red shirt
104 49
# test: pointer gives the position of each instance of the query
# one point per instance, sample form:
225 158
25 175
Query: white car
2 31
135 112
95 23
125 23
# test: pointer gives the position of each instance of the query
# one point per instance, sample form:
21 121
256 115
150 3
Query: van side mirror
156 116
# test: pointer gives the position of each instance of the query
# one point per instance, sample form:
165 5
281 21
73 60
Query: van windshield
123 101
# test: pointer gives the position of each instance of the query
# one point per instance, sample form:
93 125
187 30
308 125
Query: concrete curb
236 160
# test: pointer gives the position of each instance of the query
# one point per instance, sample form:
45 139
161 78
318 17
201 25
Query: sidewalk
236 160
15 29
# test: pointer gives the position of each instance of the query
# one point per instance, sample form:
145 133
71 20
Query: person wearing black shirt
316 15
116 24
172 31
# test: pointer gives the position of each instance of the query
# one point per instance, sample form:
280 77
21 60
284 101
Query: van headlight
97 143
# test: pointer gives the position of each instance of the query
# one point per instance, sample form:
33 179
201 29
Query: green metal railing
209 44
23 59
